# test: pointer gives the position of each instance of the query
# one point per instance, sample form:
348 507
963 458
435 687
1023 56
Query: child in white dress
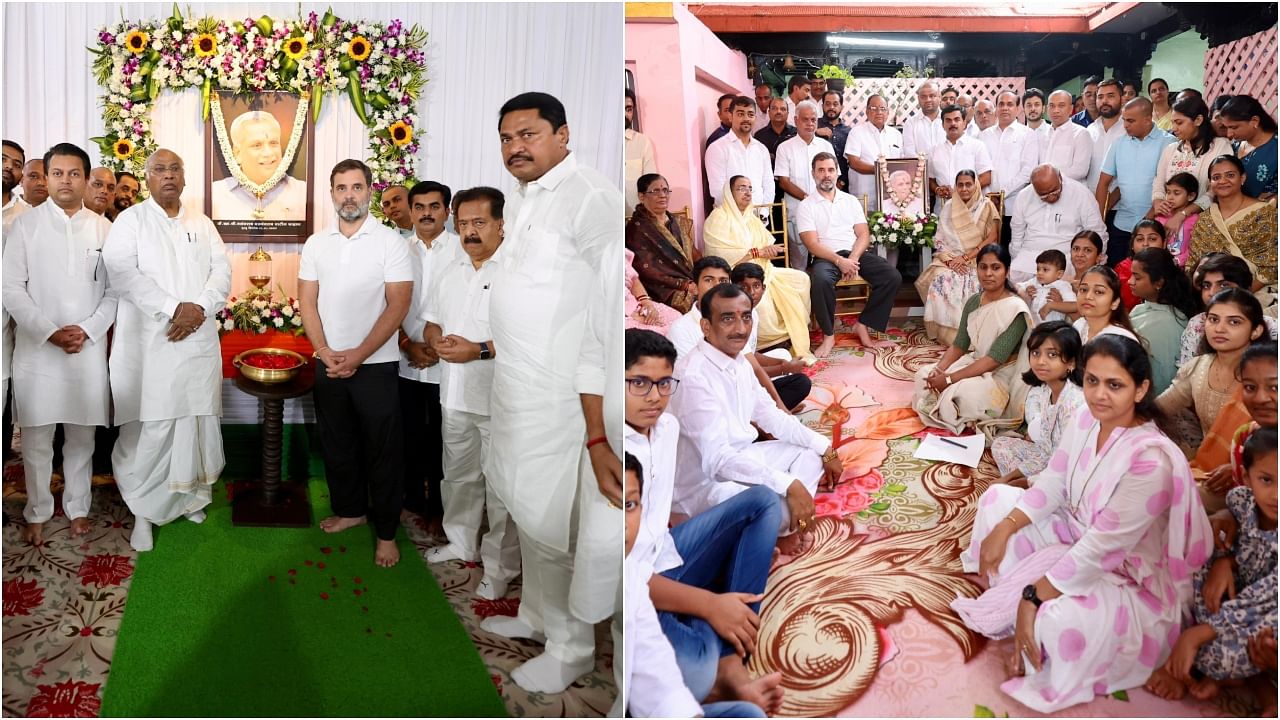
1051 266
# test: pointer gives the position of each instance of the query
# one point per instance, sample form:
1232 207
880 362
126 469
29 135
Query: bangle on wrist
829 455
316 354
596 441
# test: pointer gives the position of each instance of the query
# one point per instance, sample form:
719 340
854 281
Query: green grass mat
232 621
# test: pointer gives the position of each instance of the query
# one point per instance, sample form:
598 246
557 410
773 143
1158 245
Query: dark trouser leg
7 436
884 280
433 446
823 276
1117 245
1006 231
793 389
340 443
413 421
374 400
104 439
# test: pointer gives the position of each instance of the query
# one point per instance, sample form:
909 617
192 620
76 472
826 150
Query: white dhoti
800 462
77 470
165 468
467 495
544 601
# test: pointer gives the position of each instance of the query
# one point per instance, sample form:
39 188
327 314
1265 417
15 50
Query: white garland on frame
228 155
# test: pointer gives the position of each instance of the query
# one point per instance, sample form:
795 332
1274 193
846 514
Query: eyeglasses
658 191
640 386
1051 193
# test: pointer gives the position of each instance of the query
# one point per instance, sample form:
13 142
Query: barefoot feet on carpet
387 554
734 682
823 350
1162 684
864 336
1204 689
80 527
511 627
33 533
335 523
547 674
797 543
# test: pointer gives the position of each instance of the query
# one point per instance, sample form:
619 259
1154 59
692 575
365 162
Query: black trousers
1118 242
793 389
362 443
883 278
1006 231
423 447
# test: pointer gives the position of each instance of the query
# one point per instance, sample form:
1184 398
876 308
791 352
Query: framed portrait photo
258 148
902 186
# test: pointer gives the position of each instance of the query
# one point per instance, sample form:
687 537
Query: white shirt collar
154 207
365 227
552 178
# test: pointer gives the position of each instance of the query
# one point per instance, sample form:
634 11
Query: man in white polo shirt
457 326
355 285
829 221
1069 148
957 152
791 170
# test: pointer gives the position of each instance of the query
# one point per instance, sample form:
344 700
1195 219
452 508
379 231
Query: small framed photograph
258 152
902 186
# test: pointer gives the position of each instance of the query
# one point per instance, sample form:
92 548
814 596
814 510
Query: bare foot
864 337
734 682
823 350
797 543
1205 688
387 554
80 526
764 692
335 523
1162 684
33 533
798 409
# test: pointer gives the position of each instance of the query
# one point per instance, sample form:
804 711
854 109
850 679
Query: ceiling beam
883 18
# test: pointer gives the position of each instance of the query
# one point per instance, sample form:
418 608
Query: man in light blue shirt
1131 163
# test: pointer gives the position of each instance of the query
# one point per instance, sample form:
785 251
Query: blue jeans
732 709
728 548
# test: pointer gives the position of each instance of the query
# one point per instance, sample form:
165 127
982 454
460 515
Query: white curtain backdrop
478 56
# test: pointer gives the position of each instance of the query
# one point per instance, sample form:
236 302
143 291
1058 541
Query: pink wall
680 69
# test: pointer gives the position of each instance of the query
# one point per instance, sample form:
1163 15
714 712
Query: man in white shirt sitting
738 153
957 152
791 170
720 406
868 142
1014 151
834 228
1047 216
1069 148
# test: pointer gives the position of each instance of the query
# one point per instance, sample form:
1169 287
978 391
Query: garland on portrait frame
381 67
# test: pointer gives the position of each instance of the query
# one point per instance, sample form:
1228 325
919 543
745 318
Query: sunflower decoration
137 41
205 45
401 133
359 48
295 47
123 148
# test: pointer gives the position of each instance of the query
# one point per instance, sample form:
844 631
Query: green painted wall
1179 60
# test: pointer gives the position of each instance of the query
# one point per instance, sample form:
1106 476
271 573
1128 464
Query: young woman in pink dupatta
1091 568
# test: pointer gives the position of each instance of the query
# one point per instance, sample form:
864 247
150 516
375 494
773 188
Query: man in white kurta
957 152
456 318
1069 148
13 158
1014 150
169 266
56 289
923 130
1047 216
738 153
868 142
791 170
558 224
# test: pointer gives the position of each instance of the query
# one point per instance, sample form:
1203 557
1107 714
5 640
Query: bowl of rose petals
269 365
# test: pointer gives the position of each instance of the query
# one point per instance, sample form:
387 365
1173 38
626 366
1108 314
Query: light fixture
882 43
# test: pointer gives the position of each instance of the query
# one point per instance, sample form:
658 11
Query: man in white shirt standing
923 130
764 98
100 195
35 186
1014 152
791 170
984 115
355 285
432 250
395 206
719 407
738 153
1047 216
834 228
561 223
13 158
457 325
797 92
1033 109
1104 130
955 153
638 152
868 142
56 289
1069 148
172 274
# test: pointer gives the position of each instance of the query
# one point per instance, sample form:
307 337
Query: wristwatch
485 352
949 383
1029 594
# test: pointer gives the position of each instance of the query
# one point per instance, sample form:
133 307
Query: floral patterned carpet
63 602
860 625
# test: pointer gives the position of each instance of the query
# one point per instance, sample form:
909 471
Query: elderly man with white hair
868 142
791 168
254 193
1069 147
1046 216
172 274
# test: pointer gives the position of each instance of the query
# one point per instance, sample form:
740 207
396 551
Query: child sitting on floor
1257 374
1146 234
1051 265
1235 595
1180 190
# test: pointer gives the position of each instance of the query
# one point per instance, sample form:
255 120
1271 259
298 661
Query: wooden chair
684 219
779 233
851 293
997 199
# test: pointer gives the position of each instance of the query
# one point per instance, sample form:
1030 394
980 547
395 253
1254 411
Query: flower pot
836 84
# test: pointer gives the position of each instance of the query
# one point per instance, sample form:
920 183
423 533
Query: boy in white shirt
1051 265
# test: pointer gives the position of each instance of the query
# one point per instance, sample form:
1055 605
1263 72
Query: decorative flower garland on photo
382 68
905 230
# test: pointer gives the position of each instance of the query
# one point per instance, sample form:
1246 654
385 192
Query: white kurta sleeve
96 325
782 165
717 166
602 316
1026 164
120 254
908 138
218 286
1018 224
28 316
770 185
784 426
1081 156
981 160
705 423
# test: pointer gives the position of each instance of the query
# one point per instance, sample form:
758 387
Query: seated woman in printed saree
1090 569
664 257
978 381
1240 225
1053 350
966 223
736 234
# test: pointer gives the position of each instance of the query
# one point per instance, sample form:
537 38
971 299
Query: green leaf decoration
895 489
879 507
982 711
1121 695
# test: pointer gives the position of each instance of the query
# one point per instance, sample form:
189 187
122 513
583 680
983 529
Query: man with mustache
720 405
127 188
14 157
257 147
355 285
791 171
457 327
172 274
101 195
547 406
432 250
1104 131
35 186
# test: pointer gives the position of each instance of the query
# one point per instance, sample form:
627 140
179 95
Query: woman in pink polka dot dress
1090 570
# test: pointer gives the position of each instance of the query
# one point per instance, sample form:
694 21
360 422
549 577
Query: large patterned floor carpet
861 625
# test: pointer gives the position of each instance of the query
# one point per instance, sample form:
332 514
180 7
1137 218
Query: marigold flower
137 41
205 45
401 134
359 48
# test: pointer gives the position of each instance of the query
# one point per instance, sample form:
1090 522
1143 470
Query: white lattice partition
900 94
1244 67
